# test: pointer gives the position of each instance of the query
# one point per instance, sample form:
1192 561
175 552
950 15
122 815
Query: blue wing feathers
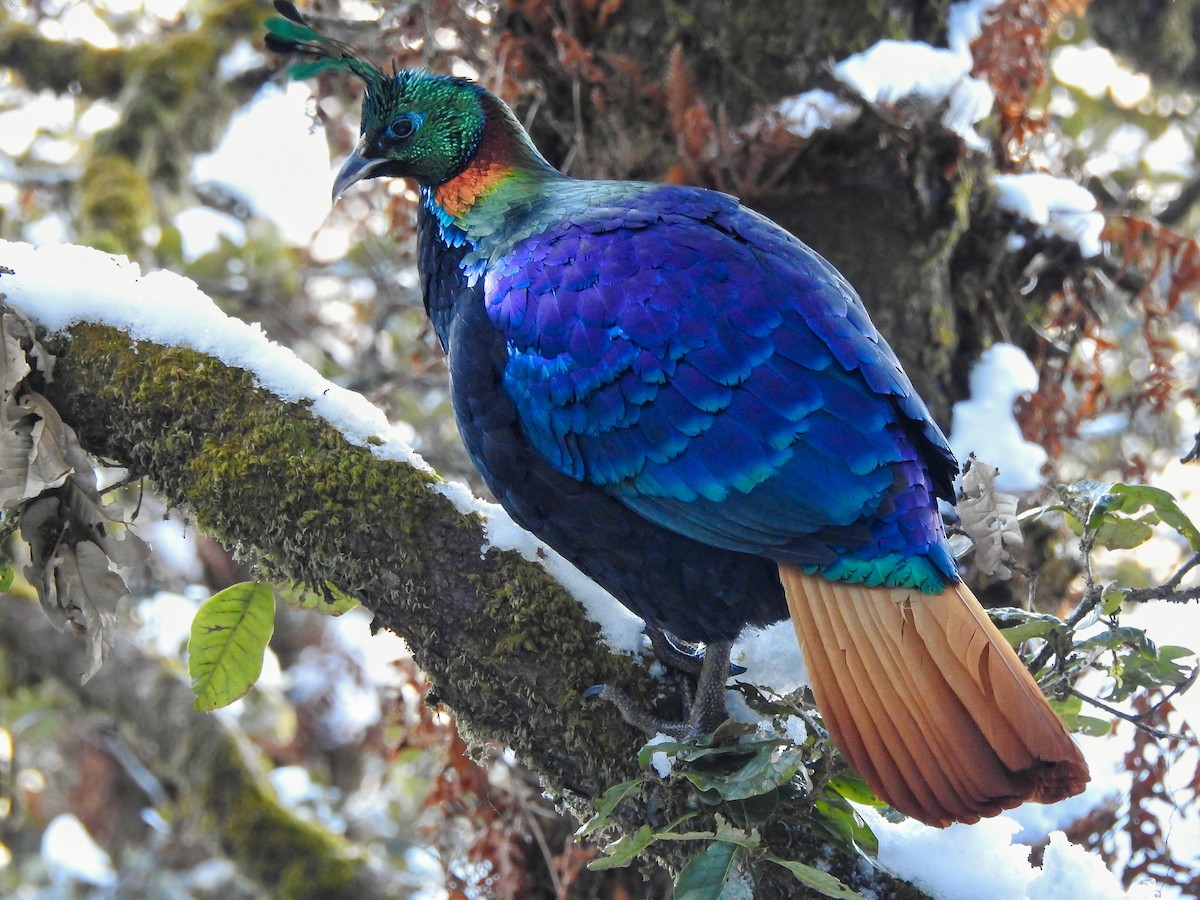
720 379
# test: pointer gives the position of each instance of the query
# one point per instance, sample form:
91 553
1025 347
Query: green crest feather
292 35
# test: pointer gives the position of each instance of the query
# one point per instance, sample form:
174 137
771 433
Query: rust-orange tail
927 700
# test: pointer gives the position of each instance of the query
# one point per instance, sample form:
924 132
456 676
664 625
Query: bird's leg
708 703
680 655
705 712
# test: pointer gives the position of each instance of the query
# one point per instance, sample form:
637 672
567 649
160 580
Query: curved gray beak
354 169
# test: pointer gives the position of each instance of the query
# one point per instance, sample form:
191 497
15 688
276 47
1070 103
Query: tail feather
891 737
928 701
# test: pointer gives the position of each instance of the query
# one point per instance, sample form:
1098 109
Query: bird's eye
402 126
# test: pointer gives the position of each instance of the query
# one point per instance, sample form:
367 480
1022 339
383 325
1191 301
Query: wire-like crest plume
293 35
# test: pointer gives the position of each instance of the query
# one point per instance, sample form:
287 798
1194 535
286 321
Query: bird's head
414 124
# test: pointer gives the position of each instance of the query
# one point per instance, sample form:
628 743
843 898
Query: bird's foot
706 710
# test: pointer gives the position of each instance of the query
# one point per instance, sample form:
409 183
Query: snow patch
985 424
893 71
981 862
59 286
660 761
72 857
816 110
771 657
1058 206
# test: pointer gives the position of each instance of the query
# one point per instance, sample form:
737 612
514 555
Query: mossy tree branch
506 648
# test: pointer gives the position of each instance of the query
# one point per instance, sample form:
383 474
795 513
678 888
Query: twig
1131 718
539 837
1169 590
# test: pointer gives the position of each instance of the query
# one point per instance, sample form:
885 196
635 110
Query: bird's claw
638 716
707 708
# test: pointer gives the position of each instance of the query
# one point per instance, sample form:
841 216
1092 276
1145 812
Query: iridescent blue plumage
718 377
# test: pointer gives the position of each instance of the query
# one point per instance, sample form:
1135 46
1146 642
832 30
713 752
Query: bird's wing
711 371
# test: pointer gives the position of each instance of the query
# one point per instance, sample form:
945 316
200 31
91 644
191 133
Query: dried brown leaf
989 519
73 581
71 532
89 591
14 366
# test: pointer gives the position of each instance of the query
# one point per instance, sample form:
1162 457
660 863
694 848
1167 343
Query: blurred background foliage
158 129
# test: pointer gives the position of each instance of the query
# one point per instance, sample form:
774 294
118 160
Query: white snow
1056 205
985 425
1066 871
72 857
60 285
772 657
660 761
891 71
980 862
816 110
965 23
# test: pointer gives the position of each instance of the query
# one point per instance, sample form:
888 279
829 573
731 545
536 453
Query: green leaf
821 882
770 767
1122 532
843 823
1148 666
719 873
1069 710
621 852
1111 599
754 811
610 800
1115 638
852 786
1106 511
229 637
7 573
1165 506
1030 625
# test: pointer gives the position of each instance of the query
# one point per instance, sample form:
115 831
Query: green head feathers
414 124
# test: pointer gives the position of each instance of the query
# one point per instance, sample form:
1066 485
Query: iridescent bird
693 407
